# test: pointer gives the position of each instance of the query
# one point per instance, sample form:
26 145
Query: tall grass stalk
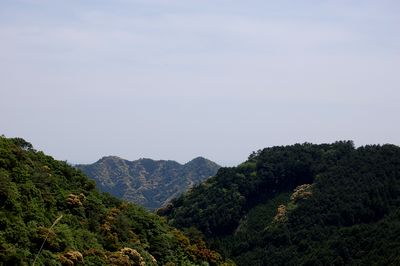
44 241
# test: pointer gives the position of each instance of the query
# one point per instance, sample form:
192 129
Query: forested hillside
147 182
52 214
329 204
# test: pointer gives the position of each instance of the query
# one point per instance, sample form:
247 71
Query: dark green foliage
94 228
349 216
146 182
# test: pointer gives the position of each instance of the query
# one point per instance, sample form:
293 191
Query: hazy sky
81 79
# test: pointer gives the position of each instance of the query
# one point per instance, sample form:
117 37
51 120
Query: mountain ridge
147 182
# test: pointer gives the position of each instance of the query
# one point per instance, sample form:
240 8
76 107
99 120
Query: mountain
52 214
304 204
147 182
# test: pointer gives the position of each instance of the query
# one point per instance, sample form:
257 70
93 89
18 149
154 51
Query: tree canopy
49 204
305 204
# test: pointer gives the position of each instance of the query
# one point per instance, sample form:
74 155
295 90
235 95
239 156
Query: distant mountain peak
198 159
110 157
150 183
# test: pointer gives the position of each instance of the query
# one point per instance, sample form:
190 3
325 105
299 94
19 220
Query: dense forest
52 214
146 182
305 204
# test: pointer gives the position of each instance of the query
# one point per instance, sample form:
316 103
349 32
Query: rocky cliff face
148 182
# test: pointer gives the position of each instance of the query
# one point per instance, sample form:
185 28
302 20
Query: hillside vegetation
147 182
305 204
47 204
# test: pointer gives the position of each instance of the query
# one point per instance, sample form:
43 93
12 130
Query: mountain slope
328 204
147 182
46 203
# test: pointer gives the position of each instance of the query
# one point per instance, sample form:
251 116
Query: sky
179 79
